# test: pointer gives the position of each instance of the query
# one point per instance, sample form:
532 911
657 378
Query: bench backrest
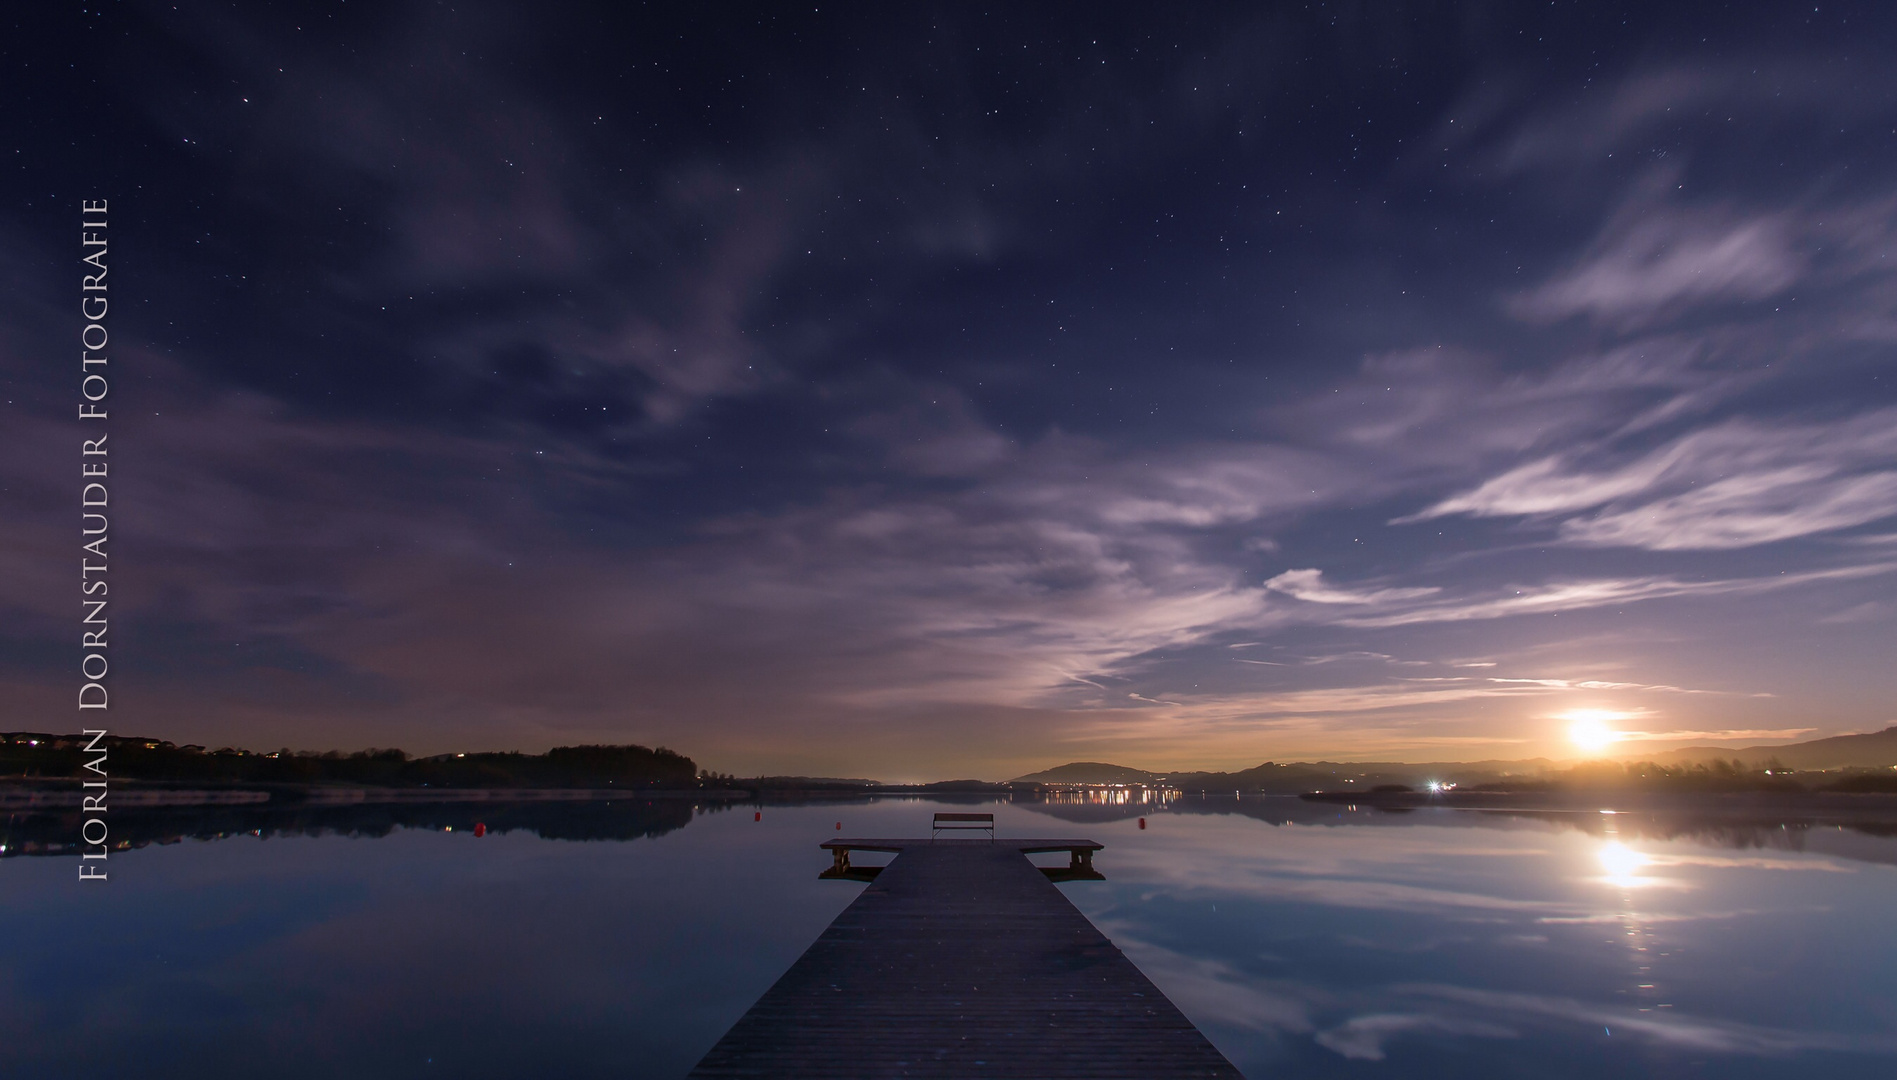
964 821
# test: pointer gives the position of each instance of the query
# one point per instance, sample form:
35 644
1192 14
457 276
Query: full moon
1590 732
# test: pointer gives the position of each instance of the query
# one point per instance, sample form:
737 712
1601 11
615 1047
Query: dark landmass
1875 750
1598 778
38 774
1272 778
1090 772
30 759
28 754
1857 762
810 782
805 789
972 787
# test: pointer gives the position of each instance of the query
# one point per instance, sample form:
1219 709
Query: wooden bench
963 821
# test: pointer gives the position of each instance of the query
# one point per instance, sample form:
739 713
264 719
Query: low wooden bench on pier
963 821
1079 856
961 959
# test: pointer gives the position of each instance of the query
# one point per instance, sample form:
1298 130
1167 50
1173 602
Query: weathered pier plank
961 959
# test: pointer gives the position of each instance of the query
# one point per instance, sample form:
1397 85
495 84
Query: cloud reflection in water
1552 945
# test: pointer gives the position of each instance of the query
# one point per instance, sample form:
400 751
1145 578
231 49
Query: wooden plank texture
963 960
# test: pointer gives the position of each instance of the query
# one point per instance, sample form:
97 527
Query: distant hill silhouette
1876 750
1273 778
1088 772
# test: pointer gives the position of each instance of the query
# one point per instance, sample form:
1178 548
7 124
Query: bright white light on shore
1589 729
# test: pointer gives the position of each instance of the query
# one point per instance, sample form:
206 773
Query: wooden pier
961 959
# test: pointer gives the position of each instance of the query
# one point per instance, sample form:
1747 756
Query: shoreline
1615 801
33 794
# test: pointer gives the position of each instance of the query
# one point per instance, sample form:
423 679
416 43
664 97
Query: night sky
909 392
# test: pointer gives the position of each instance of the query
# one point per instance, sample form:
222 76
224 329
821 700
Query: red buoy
1142 823
480 829
759 816
839 826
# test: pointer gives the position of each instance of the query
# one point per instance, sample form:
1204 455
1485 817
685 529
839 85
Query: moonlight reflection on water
1304 939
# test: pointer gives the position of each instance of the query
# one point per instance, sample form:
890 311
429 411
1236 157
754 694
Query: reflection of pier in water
962 959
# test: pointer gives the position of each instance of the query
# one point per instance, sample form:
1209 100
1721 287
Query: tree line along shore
41 757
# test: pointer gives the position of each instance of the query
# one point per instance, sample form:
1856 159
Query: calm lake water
1304 940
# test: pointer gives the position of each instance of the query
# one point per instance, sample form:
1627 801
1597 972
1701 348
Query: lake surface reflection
1304 939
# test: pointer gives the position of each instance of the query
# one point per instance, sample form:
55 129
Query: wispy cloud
727 431
1654 259
1620 918
1677 1030
1213 990
1737 484
1309 586
1559 596
1362 1038
1414 693
1758 508
1720 735
1752 862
